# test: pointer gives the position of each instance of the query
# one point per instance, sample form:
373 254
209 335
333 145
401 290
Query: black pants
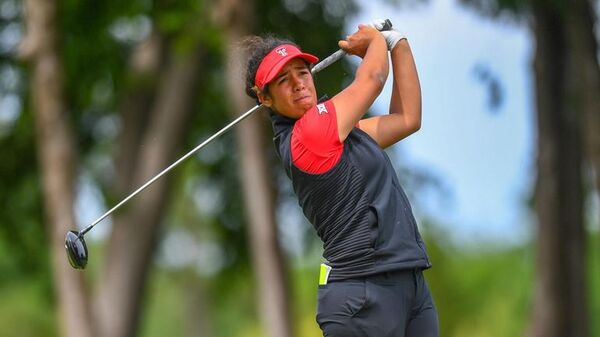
393 304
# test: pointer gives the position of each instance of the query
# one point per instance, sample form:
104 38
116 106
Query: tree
559 299
56 155
169 104
566 85
127 262
580 22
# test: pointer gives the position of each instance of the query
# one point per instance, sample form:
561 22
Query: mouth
302 99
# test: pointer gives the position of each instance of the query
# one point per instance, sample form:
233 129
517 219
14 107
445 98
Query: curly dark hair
258 47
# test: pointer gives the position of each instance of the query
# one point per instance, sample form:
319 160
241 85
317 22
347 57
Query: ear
265 99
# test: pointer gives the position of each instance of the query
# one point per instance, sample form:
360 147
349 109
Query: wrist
403 42
392 38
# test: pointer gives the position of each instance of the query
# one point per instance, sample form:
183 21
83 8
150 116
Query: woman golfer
371 283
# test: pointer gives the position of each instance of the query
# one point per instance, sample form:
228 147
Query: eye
282 80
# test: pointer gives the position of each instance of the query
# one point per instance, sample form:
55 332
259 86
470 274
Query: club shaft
318 67
172 166
329 60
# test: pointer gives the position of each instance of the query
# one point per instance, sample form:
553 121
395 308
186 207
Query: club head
76 250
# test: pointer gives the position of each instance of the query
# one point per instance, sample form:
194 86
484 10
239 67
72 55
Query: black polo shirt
357 207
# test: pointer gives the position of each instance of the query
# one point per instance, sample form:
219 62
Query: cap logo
282 52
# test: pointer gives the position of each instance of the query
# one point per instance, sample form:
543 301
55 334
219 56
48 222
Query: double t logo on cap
281 51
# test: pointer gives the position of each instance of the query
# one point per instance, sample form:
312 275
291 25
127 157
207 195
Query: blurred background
96 97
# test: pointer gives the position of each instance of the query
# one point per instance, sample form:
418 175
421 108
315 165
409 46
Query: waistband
386 276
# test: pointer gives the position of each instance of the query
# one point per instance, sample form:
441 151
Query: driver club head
76 250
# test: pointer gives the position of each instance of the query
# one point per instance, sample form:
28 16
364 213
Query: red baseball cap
275 60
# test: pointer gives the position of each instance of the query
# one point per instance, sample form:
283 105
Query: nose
297 82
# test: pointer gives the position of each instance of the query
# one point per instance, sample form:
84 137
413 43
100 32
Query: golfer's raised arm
405 105
354 101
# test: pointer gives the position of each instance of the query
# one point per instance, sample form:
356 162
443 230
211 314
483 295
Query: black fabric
357 208
392 304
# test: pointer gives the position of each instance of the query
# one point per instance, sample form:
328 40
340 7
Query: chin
299 114
307 106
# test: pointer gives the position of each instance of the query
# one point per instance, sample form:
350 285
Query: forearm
374 66
406 91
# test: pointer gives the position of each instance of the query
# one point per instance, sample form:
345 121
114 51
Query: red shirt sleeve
315 143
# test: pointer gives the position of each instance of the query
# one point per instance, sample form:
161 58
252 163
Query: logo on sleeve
322 108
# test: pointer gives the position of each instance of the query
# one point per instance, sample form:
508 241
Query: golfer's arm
404 118
354 101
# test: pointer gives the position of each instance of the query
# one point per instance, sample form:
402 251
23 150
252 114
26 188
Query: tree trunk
135 232
271 278
580 29
559 308
197 309
144 68
56 156
267 257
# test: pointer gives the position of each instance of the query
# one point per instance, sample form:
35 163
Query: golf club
74 242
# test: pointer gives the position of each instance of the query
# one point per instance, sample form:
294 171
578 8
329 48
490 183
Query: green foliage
165 310
477 293
23 241
25 309
482 292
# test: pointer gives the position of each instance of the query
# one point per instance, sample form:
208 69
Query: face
292 92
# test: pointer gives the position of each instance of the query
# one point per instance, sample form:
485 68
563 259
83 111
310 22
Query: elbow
411 122
377 79
416 120
416 126
373 78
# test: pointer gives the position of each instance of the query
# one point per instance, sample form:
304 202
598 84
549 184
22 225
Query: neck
279 122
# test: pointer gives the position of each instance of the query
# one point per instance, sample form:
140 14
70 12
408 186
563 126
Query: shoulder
315 142
317 122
